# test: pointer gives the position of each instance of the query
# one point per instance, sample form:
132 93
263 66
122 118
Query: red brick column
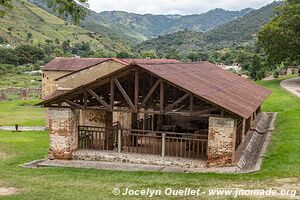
63 129
221 141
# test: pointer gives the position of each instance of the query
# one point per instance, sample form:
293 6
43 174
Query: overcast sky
183 7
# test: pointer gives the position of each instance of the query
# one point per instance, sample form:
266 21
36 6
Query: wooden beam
150 93
169 107
98 98
84 98
127 98
71 103
244 128
191 103
161 97
136 88
206 111
112 94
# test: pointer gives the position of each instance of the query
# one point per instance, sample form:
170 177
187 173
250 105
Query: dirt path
292 85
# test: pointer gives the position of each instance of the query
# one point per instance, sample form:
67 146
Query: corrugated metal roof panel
76 64
214 84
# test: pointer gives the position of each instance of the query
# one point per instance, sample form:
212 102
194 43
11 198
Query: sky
183 7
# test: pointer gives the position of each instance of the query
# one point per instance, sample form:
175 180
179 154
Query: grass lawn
280 168
21 112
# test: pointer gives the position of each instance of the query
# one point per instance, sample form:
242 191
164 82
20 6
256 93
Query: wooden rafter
150 92
169 107
71 103
100 99
205 111
125 95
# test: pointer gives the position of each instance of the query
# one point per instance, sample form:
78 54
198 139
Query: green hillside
135 28
238 31
29 24
243 29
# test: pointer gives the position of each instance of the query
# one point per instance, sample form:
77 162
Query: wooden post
244 129
119 140
191 103
161 97
163 144
136 89
112 94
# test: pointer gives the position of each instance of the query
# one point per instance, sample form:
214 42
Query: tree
29 54
280 38
256 69
76 9
149 54
123 55
8 56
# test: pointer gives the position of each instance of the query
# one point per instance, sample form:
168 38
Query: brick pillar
63 129
221 141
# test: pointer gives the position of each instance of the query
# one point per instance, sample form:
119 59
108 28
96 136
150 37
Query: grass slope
26 17
21 112
280 167
20 80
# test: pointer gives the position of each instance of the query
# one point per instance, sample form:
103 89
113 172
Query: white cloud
173 6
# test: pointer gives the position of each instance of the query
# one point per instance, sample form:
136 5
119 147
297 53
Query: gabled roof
77 64
218 86
71 64
208 82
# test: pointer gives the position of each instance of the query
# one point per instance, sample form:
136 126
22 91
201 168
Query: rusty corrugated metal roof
71 64
77 64
213 84
54 94
208 82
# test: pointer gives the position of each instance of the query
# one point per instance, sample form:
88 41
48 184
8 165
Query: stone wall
63 125
90 74
221 141
49 84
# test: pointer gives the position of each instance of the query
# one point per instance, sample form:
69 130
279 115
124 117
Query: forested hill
137 27
153 25
245 28
239 30
28 24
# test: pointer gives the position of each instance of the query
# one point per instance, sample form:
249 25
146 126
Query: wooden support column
112 94
161 97
84 98
244 129
191 103
136 89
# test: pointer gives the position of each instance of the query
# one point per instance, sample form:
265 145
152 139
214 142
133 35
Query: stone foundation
221 142
63 129
110 156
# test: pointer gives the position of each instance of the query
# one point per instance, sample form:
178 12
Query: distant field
280 168
20 80
21 112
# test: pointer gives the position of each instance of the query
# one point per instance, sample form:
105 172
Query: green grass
20 80
280 167
21 112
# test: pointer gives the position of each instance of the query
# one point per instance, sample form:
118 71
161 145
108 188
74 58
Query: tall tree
280 38
75 9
